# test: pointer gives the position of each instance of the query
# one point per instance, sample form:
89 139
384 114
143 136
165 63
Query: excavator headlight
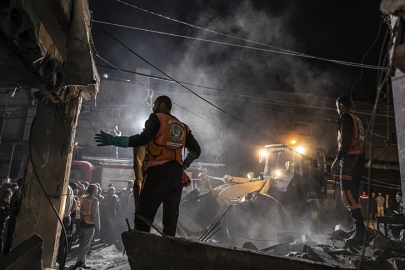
278 173
300 149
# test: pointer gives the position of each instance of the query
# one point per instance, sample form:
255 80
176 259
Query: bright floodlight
293 142
300 149
278 173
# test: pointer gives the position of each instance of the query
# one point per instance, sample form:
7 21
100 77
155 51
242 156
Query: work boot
356 238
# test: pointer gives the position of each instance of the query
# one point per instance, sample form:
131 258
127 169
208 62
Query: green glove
105 139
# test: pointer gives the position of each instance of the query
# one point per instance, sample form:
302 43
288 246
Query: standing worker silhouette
351 159
165 137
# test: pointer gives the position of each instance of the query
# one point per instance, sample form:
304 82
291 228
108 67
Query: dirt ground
102 257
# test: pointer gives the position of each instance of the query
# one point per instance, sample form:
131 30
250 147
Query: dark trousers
351 171
10 232
162 184
62 240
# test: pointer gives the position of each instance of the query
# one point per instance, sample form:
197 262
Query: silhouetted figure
388 205
15 204
364 203
373 206
109 211
380 204
5 210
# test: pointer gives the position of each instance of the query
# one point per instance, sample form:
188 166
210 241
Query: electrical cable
280 50
274 111
179 82
148 88
244 46
269 101
370 160
362 60
149 63
46 195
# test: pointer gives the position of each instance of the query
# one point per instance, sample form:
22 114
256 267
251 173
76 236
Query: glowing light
250 175
300 149
263 153
293 142
278 173
105 76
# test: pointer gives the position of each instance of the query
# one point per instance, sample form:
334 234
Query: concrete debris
299 255
380 253
339 235
26 256
285 237
142 248
402 235
396 264
249 245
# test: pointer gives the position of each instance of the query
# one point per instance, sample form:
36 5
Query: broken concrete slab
149 251
396 263
26 256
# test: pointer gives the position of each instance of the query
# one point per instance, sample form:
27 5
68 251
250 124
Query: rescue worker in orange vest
165 137
351 159
89 223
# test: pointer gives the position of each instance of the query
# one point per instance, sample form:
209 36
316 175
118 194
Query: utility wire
278 50
147 87
268 101
275 111
207 101
183 85
362 60
379 89
241 46
62 266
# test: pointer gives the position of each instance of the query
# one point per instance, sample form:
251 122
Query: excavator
293 193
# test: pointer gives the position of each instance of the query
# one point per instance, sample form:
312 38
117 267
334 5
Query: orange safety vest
86 210
357 143
168 142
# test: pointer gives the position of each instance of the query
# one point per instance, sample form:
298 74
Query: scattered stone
339 235
26 256
249 245
331 250
396 263
299 255
285 237
305 238
402 235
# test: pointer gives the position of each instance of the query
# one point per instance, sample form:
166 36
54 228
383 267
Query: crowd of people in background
89 215
380 205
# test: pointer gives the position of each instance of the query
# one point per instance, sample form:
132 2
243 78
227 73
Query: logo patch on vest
176 133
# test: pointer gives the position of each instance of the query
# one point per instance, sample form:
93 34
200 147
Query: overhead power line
148 88
265 100
241 46
277 49
207 101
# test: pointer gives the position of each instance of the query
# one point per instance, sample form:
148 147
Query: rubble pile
380 253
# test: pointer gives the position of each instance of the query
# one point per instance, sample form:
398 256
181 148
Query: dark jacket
152 126
110 205
4 213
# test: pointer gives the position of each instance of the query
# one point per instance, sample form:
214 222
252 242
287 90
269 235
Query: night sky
342 30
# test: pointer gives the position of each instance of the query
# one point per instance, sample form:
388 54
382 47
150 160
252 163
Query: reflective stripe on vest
86 210
168 142
357 142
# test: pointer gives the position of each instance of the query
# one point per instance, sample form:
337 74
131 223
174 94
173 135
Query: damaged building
278 203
